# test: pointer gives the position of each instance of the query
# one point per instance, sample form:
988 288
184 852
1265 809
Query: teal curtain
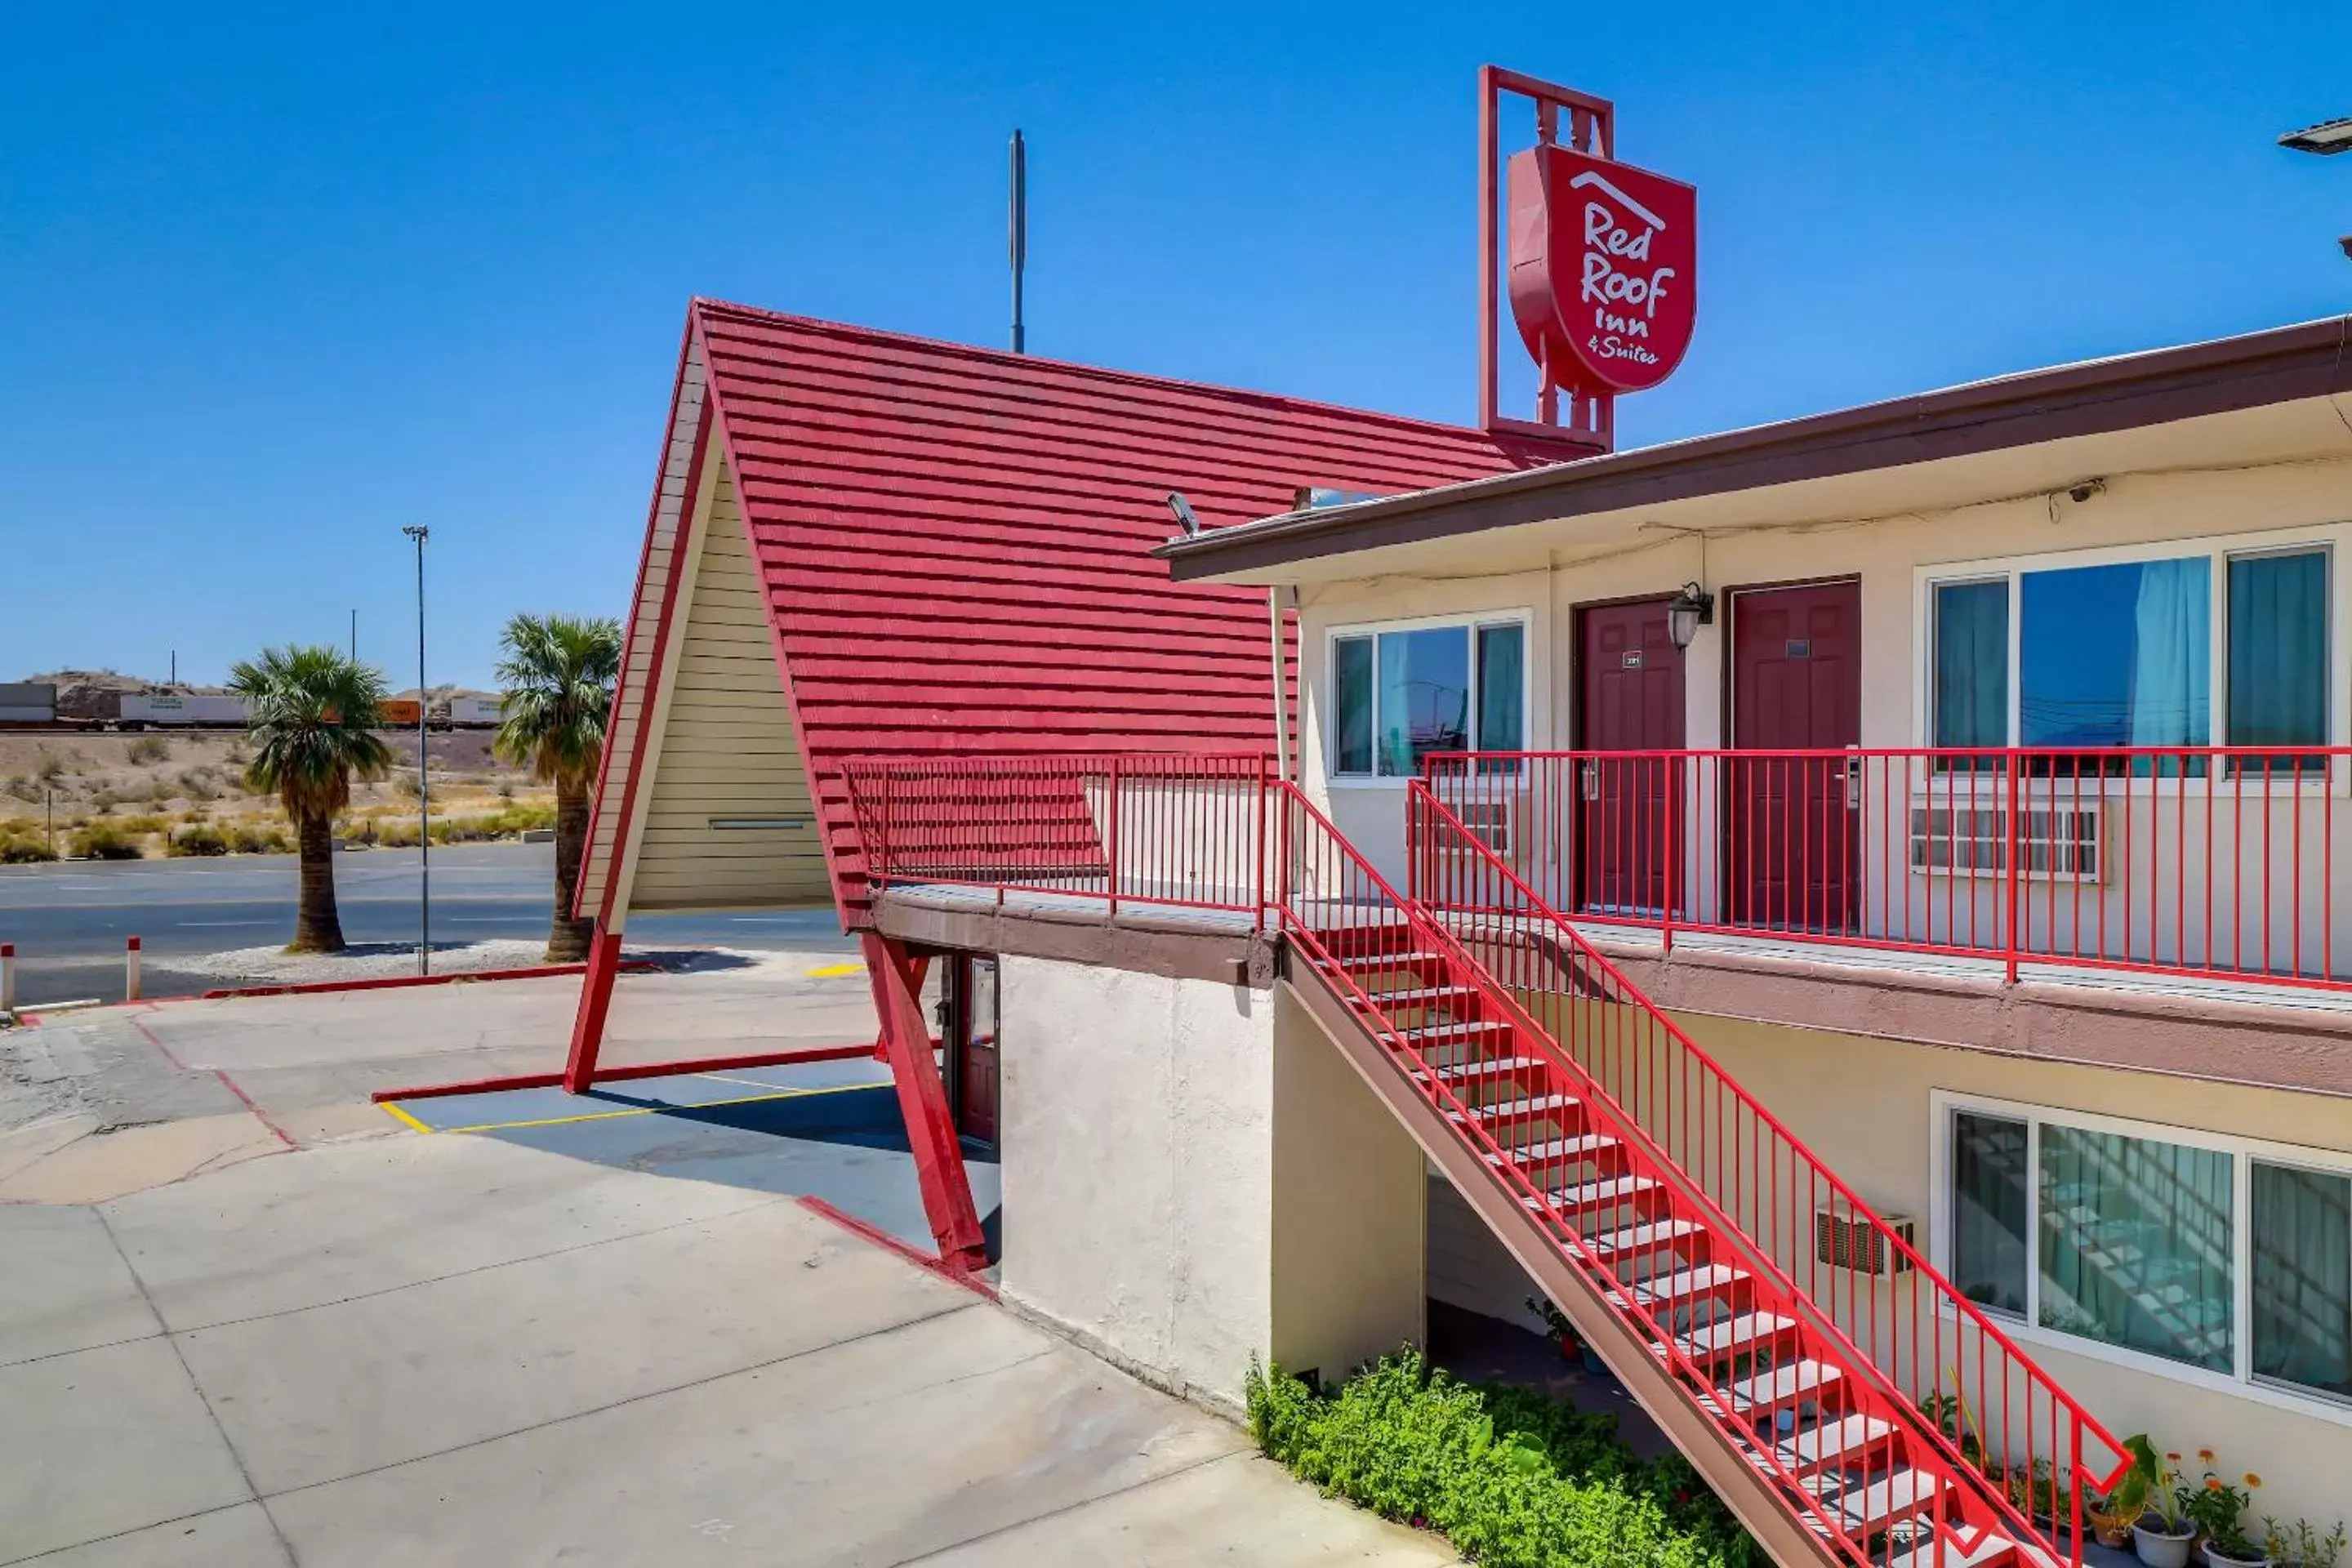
2136 1245
2172 653
1502 684
1971 696
1351 702
2303 1278
2278 650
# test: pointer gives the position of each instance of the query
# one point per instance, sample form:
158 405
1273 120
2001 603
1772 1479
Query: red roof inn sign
1602 265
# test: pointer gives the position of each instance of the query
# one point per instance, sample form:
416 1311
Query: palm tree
558 673
312 731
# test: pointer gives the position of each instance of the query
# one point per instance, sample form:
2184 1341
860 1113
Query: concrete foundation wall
1136 1132
1864 1105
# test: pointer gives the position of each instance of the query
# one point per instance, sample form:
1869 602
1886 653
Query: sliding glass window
1399 696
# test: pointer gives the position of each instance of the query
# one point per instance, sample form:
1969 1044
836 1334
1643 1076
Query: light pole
2327 138
424 776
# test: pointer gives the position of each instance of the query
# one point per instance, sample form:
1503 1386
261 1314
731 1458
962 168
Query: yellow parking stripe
395 1110
652 1110
835 971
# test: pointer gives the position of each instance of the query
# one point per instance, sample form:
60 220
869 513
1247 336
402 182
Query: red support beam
898 984
595 1001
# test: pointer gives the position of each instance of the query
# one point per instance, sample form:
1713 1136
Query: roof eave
2220 375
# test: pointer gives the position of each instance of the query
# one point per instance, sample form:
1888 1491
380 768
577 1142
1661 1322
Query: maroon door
977 1013
1794 822
1629 699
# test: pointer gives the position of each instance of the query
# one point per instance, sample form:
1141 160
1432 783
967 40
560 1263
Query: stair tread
1731 1333
1557 1148
1908 1491
1485 1067
1453 1026
1422 994
1685 1283
1587 1194
1780 1384
1989 1550
1526 1105
1829 1444
1651 1233
1388 960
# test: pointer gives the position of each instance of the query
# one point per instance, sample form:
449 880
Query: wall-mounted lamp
1182 510
1687 611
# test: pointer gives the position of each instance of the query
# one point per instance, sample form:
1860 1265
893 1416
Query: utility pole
1017 235
355 636
424 774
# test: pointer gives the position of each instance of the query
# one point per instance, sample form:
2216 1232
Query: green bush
105 841
247 839
1512 1479
144 823
18 850
197 838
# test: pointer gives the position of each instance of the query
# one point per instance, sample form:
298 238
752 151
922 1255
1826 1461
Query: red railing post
1673 854
1112 834
2012 889
1257 852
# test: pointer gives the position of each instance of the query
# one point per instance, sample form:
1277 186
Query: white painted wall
1137 1139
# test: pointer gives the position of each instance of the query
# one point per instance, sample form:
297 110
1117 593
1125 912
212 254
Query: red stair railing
1938 1349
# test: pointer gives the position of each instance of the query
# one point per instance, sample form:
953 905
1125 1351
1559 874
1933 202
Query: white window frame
1469 621
2239 1380
2220 550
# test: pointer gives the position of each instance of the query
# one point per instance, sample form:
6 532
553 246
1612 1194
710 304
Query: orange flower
2174 1458
2206 1454
2253 1481
2212 1483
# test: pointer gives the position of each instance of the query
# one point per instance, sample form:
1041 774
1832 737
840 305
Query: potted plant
2161 1535
1563 1331
2298 1545
2218 1510
2112 1517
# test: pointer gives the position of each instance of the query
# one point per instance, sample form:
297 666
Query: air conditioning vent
1845 1240
2059 843
1489 822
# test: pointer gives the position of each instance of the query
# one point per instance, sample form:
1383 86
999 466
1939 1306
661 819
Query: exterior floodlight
1183 510
1687 611
2327 139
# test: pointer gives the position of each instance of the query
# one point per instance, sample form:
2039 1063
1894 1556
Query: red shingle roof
955 541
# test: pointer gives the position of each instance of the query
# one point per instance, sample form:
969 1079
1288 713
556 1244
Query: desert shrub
144 823
23 850
200 783
24 787
247 838
103 801
51 769
105 841
198 838
151 749
1511 1478
405 785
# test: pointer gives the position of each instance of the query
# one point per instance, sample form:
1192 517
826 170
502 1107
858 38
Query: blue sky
275 283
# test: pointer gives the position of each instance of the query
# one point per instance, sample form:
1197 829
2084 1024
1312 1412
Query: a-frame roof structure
867 545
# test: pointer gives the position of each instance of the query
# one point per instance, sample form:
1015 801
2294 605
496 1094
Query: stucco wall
1136 1135
1864 1105
1348 1194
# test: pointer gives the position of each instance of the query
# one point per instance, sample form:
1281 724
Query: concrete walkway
457 1349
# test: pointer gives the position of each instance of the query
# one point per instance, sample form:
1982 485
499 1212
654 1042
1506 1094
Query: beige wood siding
633 696
725 748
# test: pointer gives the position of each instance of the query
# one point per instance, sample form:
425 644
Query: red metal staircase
1676 1221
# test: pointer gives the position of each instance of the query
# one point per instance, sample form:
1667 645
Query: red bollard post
130 972
7 977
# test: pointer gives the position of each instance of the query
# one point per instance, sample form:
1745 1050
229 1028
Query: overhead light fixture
2327 139
1183 511
1687 611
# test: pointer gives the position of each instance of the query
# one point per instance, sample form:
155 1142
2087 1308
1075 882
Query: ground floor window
2225 1256
1400 693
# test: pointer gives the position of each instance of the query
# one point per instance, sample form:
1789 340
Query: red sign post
1602 264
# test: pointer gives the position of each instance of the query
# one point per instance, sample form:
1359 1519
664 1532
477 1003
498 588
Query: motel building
1857 911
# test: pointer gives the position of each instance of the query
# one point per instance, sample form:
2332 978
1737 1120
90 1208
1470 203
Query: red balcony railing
2222 862
1159 829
